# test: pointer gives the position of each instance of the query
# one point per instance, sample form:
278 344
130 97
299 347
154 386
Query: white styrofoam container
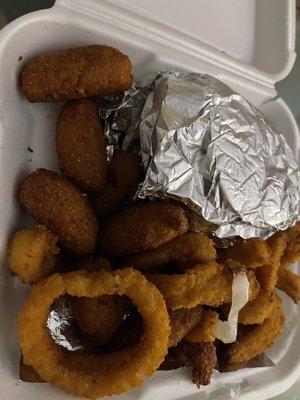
248 44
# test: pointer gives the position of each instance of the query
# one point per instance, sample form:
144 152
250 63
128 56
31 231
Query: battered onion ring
89 375
208 284
258 339
204 331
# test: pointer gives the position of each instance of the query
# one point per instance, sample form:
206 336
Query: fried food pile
146 290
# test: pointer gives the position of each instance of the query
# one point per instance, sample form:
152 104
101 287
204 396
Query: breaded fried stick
76 73
56 203
81 146
142 227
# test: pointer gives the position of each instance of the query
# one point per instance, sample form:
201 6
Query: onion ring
208 284
85 374
189 247
204 331
258 339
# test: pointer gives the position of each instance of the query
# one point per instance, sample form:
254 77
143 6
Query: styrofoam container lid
248 44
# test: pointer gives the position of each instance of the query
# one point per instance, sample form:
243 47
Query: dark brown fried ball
142 227
81 145
76 73
98 317
124 174
57 204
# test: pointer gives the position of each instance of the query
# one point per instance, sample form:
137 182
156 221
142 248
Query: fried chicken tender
141 227
200 356
81 145
252 253
32 254
292 251
190 247
124 174
182 321
268 274
98 317
258 339
207 284
57 204
289 283
205 330
76 73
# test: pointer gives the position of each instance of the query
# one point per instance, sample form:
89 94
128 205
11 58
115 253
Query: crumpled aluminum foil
206 146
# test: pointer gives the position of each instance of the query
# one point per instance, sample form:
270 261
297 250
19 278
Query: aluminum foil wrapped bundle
208 147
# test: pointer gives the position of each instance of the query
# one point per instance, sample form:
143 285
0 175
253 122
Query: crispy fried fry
124 174
89 375
76 73
32 254
182 321
205 330
141 227
200 356
268 274
56 203
98 317
190 247
292 251
208 284
252 253
289 283
258 339
81 145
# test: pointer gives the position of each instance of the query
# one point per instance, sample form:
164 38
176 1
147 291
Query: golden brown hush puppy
56 203
80 145
76 73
